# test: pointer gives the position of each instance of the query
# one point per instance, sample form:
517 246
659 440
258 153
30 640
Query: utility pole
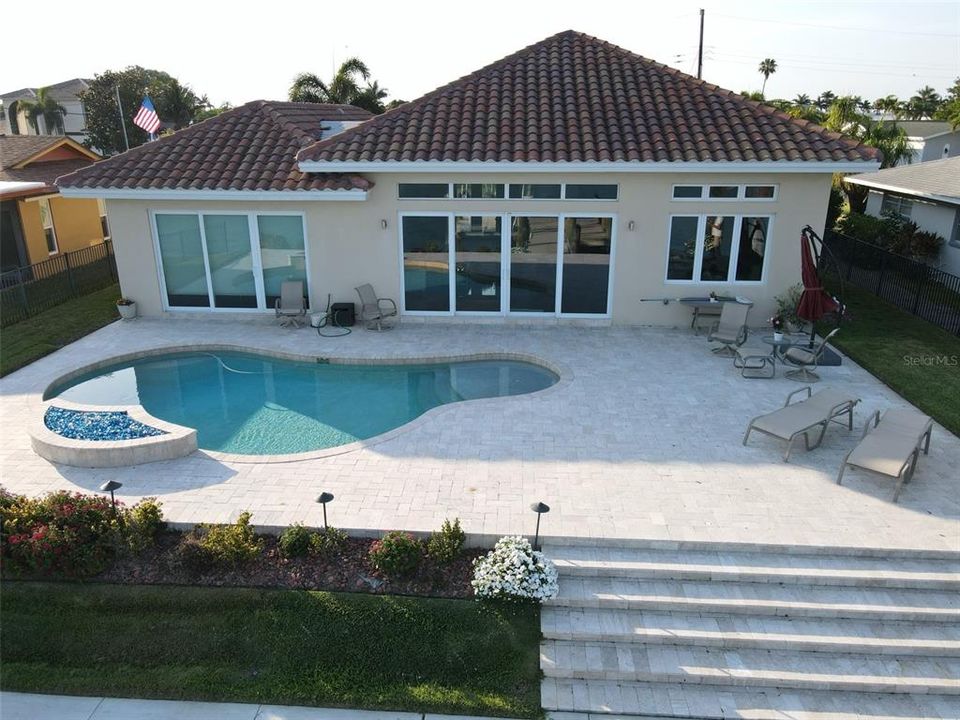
123 124
700 51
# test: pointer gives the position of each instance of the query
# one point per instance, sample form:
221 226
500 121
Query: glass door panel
181 255
477 258
282 253
533 264
426 263
230 259
586 265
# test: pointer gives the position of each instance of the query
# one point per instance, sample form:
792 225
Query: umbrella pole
811 236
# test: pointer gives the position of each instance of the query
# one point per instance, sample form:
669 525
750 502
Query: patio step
612 700
759 668
730 566
751 632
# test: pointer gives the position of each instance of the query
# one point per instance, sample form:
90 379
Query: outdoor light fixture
323 499
631 225
109 486
539 508
383 224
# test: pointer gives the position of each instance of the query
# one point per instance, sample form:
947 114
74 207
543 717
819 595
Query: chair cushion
800 356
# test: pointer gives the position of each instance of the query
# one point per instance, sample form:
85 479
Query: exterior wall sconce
631 225
383 224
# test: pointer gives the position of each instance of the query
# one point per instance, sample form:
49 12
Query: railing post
23 292
883 266
73 288
923 281
108 247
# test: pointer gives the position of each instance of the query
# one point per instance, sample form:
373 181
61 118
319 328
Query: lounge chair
892 447
291 307
731 329
374 310
818 410
806 360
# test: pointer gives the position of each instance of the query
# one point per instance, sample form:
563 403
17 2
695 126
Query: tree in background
950 108
825 99
46 107
802 100
211 111
343 89
767 68
176 104
923 105
889 104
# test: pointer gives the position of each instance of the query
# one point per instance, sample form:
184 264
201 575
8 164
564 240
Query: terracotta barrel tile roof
575 98
252 147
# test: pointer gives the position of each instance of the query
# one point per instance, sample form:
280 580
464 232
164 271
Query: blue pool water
255 405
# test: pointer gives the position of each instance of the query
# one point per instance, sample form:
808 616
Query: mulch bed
348 570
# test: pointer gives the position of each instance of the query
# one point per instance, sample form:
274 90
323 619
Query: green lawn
270 646
918 360
28 340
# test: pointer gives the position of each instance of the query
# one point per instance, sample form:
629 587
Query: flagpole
123 125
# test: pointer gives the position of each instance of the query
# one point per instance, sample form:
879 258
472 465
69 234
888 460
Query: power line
853 71
832 60
838 27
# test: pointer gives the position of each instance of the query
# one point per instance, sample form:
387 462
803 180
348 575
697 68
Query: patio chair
892 447
731 329
291 306
818 410
806 360
374 310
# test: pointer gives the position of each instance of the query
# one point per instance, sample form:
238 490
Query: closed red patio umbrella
815 302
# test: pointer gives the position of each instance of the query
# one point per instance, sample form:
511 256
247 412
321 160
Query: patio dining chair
806 360
291 306
374 310
731 330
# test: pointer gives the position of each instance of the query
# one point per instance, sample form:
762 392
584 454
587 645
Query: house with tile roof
67 93
37 222
565 182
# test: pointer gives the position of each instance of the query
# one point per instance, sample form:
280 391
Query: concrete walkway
29 706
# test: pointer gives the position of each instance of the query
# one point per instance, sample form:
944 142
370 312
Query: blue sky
244 50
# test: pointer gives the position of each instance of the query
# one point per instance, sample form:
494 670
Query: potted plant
777 322
713 297
127 308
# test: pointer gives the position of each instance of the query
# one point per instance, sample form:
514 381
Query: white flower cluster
514 571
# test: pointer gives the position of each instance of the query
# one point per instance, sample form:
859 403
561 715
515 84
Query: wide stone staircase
716 631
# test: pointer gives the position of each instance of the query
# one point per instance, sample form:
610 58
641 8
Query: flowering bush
514 571
396 554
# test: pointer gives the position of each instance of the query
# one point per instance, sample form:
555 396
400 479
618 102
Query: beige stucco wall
76 223
348 246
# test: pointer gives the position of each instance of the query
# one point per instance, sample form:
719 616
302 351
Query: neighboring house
930 140
927 193
36 221
566 181
66 93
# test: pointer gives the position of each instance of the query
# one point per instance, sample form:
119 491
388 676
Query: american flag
146 117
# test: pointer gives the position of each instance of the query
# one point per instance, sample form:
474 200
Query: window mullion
561 241
206 261
452 262
734 248
256 262
698 251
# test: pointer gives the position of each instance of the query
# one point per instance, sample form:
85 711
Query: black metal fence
31 289
915 287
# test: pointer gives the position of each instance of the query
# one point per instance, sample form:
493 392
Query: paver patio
641 440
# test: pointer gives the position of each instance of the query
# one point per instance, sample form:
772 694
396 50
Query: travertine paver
642 440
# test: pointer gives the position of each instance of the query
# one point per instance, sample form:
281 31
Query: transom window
896 205
500 263
229 260
717 248
725 192
513 191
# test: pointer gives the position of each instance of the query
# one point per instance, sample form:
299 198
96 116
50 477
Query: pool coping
179 437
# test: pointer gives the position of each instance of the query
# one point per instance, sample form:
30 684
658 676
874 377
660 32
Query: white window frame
256 260
741 192
506 193
505 256
104 218
45 203
734 250
899 201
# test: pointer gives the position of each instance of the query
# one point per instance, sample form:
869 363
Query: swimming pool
256 405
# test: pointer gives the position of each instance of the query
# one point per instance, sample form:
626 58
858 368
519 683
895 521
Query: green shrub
327 541
62 533
444 546
396 554
233 544
141 523
294 541
787 305
192 556
893 233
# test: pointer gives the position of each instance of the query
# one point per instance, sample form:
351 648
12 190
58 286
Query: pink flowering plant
514 571
777 322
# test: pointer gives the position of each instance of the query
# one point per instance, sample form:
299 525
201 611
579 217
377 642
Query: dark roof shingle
575 98
15 149
251 147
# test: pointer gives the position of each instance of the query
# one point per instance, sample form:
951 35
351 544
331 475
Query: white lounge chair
731 329
818 410
291 306
374 310
892 447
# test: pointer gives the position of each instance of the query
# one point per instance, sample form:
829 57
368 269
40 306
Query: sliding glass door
182 253
503 263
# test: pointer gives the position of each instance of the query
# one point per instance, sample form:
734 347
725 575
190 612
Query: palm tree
371 98
802 100
889 138
178 105
767 68
46 107
825 99
843 115
924 104
888 104
343 89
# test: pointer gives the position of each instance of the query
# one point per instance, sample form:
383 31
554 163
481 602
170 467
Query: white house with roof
566 182
927 193
930 140
67 93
